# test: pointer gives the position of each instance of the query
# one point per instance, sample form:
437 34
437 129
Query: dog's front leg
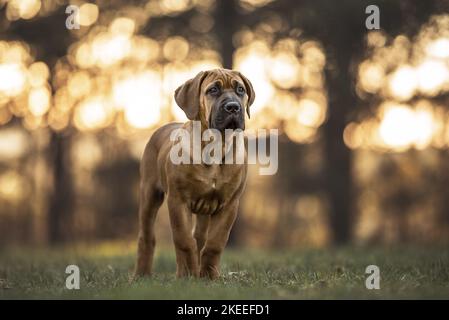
200 233
219 228
185 244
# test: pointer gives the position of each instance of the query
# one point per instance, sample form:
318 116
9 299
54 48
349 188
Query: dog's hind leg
151 199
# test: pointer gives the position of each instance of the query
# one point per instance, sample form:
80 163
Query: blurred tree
404 191
338 26
51 46
50 40
227 22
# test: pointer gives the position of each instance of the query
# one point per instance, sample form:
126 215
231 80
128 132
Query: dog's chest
211 188
214 179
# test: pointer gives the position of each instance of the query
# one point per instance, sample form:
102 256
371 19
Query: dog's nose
232 107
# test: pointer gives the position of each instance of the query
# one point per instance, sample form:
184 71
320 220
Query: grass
246 274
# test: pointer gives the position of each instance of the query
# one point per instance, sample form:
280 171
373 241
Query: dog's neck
231 146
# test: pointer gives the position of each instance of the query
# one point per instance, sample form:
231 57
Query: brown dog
217 98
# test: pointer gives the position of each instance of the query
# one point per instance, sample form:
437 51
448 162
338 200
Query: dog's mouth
234 121
233 124
227 114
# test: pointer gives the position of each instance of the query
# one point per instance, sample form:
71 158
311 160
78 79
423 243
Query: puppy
202 199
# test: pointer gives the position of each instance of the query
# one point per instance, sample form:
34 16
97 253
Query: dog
202 199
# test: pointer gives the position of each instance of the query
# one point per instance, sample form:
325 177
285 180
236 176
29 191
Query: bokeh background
362 115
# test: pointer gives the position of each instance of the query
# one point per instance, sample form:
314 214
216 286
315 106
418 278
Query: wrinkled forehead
226 79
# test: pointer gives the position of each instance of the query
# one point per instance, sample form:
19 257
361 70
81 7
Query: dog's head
218 98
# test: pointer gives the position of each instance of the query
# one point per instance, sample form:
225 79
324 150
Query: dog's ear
187 96
249 91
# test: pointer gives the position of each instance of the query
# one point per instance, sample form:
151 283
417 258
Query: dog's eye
240 90
213 90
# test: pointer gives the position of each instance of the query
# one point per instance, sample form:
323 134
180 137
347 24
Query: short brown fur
202 199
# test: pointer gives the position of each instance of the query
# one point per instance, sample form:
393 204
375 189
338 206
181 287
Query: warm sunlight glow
87 151
13 143
396 129
38 74
123 26
276 69
175 5
402 127
432 75
108 49
141 98
299 133
376 39
176 49
22 9
353 136
424 128
310 113
88 14
439 48
93 113
403 83
11 185
39 101
413 96
12 79
284 70
313 55
79 84
371 76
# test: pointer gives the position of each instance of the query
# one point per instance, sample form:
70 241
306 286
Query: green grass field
246 274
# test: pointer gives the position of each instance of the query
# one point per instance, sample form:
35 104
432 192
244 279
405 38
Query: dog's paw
136 276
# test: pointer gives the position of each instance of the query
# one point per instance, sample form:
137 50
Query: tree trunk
338 157
61 197
443 188
226 23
